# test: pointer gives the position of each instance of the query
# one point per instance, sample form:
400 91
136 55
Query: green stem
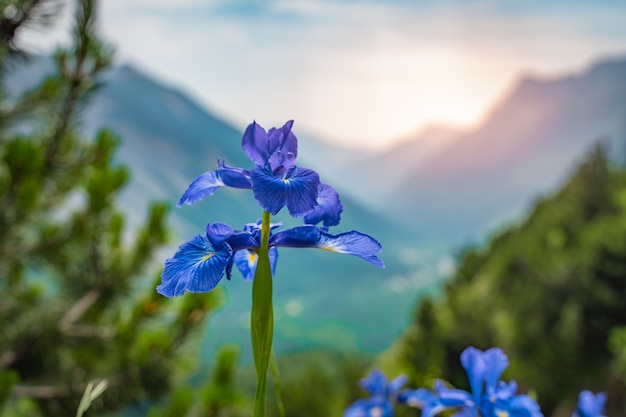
262 318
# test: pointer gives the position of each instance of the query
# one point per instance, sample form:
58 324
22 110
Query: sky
360 73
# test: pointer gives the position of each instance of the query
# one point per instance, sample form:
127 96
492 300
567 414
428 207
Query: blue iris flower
590 404
489 396
275 180
200 264
383 395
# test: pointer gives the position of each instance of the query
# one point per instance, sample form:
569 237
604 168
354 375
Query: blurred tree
76 304
549 290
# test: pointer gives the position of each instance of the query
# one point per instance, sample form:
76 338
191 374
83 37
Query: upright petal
298 190
474 364
328 209
284 146
197 266
352 243
590 404
255 144
375 383
496 362
207 183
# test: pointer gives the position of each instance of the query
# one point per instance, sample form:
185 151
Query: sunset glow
370 73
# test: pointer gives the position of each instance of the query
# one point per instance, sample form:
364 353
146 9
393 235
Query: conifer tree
78 304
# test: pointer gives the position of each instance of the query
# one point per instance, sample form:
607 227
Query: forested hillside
548 290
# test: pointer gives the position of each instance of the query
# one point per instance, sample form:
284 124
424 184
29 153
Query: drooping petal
453 397
328 209
197 266
246 261
207 183
524 406
233 176
297 237
423 399
298 190
351 243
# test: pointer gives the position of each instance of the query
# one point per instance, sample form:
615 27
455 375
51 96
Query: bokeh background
482 142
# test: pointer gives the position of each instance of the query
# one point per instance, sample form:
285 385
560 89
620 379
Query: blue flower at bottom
370 407
489 396
383 395
590 404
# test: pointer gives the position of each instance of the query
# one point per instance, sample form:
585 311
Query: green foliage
549 291
79 304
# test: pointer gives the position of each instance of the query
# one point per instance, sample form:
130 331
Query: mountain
438 189
525 147
382 171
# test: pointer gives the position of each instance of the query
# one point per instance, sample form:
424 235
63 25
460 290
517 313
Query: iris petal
284 149
423 399
452 397
255 144
524 406
495 363
207 183
197 266
590 404
375 383
351 243
236 239
328 209
246 261
370 407
298 190
473 362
